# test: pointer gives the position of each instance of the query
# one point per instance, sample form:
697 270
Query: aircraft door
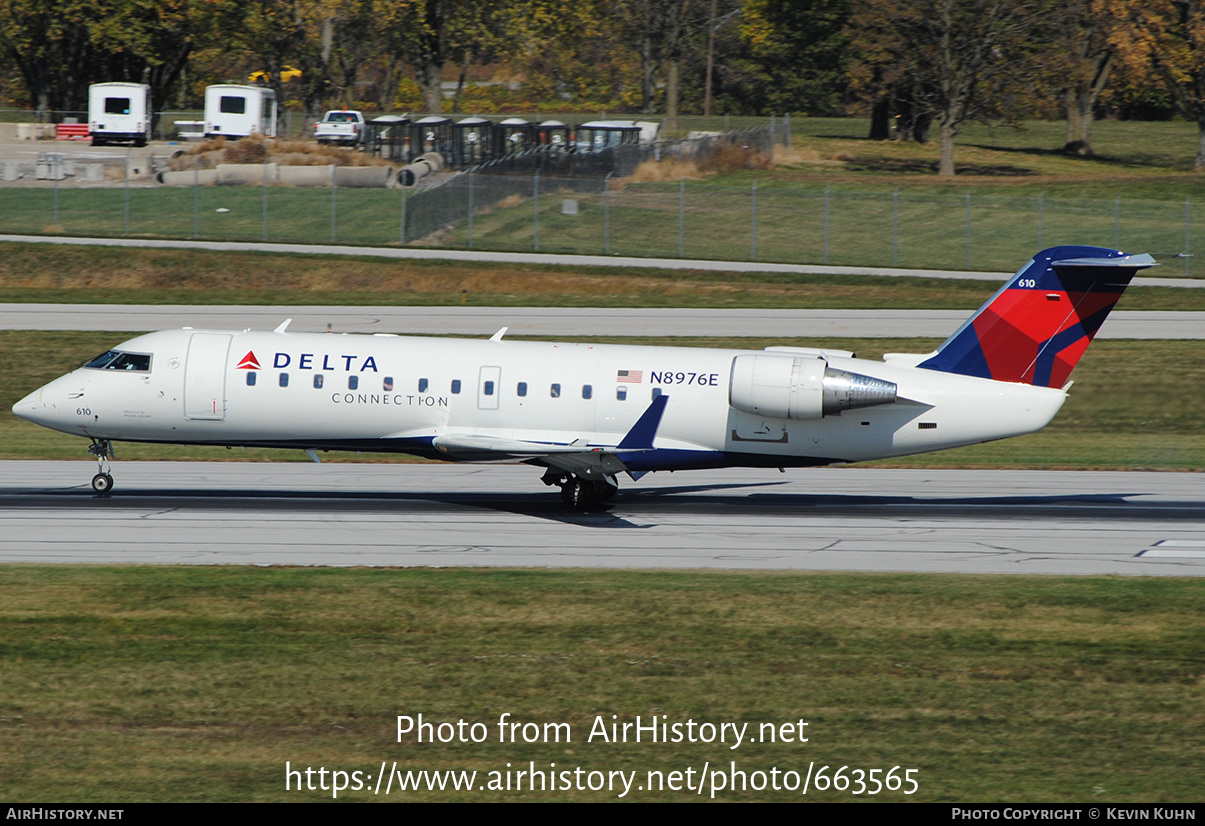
205 377
489 388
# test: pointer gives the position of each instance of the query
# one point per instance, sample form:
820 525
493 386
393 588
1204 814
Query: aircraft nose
29 406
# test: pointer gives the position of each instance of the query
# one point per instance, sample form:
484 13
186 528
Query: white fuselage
392 393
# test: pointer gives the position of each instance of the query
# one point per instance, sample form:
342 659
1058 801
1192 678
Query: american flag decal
630 376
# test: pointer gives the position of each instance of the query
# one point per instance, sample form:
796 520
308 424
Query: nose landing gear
102 449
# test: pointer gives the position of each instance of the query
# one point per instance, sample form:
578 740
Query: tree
960 59
148 41
1163 41
1081 60
426 34
50 42
659 31
798 53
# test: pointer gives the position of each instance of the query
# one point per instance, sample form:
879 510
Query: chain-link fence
769 221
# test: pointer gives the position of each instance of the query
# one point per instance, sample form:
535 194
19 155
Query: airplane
588 413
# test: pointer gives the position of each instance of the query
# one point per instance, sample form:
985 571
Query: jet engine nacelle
801 388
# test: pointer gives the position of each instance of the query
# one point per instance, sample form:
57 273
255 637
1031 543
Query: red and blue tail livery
1034 330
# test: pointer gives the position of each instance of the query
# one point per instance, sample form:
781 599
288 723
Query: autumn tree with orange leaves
1163 42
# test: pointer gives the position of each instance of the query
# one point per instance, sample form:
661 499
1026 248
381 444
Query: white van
119 113
238 111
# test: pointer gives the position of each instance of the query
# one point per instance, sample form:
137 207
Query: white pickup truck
345 126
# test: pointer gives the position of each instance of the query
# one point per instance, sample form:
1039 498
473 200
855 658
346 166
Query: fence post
55 174
786 129
1117 223
403 221
968 232
535 201
196 195
470 209
827 187
1041 219
607 214
127 194
264 198
1187 233
682 218
895 227
772 135
753 223
334 191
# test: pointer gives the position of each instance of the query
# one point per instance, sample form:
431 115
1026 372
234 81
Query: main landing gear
102 449
580 494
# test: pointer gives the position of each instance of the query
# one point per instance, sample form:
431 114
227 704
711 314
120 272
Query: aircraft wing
578 457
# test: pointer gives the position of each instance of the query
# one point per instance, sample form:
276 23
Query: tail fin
1037 326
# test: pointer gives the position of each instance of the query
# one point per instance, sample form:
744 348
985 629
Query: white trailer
119 113
236 111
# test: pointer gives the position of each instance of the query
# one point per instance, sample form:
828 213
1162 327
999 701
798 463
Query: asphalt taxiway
990 522
568 322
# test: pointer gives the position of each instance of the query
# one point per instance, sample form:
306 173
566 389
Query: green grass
1109 420
198 684
49 273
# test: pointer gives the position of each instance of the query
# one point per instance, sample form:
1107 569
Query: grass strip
198 683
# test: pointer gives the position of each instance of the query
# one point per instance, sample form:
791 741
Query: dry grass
210 153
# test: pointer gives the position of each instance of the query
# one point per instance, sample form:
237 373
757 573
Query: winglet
284 325
641 436
498 335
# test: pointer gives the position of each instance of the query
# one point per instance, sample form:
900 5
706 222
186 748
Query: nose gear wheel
102 449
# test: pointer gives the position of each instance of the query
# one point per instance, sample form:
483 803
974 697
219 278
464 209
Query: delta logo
249 362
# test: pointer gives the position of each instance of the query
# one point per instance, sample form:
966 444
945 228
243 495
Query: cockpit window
117 360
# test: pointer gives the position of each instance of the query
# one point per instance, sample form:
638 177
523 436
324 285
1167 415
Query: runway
572 322
988 522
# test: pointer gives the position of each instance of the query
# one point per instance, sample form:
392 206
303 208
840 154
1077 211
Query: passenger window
422 385
521 388
488 388
656 392
318 381
284 379
621 393
353 382
587 391
250 378
455 386
388 383
555 391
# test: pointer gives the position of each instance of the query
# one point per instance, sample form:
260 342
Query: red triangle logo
249 362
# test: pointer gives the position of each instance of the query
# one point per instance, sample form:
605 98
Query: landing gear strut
102 449
580 494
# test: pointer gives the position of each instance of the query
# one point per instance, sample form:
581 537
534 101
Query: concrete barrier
306 175
34 131
364 176
238 174
188 177
252 174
